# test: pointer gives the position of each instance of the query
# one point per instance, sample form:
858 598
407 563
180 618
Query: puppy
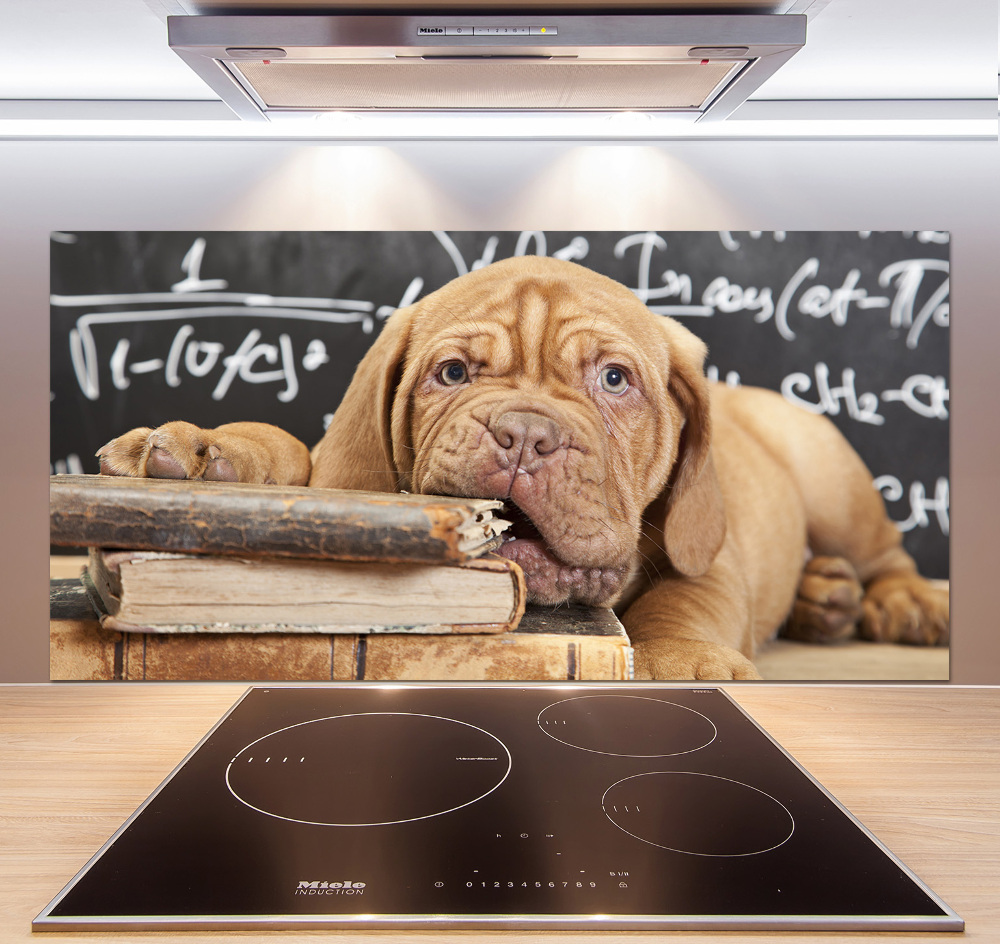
632 480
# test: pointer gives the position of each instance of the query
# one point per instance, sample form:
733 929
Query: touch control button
503 30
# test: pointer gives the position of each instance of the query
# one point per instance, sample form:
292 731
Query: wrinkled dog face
548 391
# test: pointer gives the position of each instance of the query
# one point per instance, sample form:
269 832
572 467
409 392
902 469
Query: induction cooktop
536 806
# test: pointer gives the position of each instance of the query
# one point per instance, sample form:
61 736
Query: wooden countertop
918 765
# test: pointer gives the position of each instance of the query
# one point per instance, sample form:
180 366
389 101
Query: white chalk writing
820 301
199 357
920 502
529 242
909 274
732 378
72 465
926 237
191 266
731 243
675 285
924 395
801 294
862 407
909 300
722 295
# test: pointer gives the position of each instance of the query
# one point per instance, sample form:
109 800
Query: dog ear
356 450
695 517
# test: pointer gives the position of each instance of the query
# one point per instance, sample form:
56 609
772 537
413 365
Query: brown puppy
633 481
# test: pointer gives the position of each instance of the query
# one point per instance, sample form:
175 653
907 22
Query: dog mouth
550 580
524 543
522 528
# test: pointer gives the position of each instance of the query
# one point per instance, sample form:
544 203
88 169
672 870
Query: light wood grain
918 765
783 660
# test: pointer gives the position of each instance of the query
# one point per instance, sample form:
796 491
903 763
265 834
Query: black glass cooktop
529 807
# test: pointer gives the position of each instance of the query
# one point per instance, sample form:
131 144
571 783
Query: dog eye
453 373
614 380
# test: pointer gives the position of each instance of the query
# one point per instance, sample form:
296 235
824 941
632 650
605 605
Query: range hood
268 67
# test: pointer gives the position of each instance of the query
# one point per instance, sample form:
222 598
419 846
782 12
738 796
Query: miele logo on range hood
272 66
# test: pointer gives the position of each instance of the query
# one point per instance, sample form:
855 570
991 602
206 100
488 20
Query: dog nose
518 433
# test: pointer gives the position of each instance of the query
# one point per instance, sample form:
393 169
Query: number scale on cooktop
433 806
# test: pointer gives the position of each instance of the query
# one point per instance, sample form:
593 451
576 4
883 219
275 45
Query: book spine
84 650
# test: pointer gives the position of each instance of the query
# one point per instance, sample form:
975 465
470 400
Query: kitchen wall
47 186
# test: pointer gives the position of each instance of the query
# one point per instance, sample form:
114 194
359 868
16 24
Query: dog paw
126 455
905 608
181 450
827 607
684 659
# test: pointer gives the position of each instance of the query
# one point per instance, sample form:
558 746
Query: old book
550 644
268 520
153 591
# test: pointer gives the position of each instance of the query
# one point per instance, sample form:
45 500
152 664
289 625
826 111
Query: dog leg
691 659
899 605
255 453
692 628
828 603
847 518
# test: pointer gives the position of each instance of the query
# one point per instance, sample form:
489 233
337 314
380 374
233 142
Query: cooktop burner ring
683 730
384 780
720 817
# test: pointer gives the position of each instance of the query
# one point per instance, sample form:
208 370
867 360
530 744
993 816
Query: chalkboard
214 327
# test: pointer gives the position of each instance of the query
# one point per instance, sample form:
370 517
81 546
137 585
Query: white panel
96 49
684 185
885 49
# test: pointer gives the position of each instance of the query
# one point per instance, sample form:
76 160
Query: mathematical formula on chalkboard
213 327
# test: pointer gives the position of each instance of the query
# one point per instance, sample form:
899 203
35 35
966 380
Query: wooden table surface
918 765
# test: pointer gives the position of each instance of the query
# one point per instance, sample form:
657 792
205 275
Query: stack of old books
202 580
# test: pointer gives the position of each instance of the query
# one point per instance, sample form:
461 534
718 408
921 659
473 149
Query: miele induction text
330 888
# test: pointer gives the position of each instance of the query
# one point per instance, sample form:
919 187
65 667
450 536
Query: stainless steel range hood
273 66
